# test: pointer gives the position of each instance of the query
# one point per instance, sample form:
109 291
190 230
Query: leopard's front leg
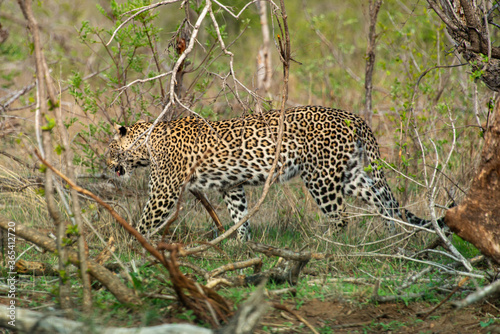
237 206
163 195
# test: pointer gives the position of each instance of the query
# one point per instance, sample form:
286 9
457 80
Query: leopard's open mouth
120 171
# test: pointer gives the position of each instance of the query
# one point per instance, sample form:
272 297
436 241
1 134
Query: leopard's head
126 150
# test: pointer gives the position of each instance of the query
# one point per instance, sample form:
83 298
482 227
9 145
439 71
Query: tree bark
477 218
466 23
264 70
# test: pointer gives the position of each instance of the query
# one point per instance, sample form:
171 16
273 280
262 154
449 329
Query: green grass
465 248
408 44
334 282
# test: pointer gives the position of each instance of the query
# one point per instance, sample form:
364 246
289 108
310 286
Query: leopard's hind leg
327 194
363 179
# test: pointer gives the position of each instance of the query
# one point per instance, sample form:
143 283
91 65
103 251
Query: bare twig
479 295
256 262
414 277
138 12
459 285
189 48
296 315
236 16
16 95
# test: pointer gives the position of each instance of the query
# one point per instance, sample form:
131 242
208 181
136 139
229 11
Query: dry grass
289 215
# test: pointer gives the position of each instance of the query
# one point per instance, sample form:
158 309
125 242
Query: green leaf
59 149
484 324
51 122
72 229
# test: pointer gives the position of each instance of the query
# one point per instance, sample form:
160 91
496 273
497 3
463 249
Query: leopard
333 151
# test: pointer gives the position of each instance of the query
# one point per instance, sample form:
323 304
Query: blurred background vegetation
417 85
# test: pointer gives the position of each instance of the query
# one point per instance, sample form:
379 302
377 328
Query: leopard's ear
120 129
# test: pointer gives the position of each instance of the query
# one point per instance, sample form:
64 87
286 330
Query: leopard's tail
414 220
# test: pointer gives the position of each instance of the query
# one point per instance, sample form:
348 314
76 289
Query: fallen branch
205 303
287 269
110 281
296 315
255 262
284 272
284 253
240 280
279 292
460 284
248 315
479 295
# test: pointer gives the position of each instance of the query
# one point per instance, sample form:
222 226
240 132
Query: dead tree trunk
477 218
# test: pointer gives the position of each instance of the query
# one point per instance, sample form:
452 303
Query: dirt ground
344 317
340 316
